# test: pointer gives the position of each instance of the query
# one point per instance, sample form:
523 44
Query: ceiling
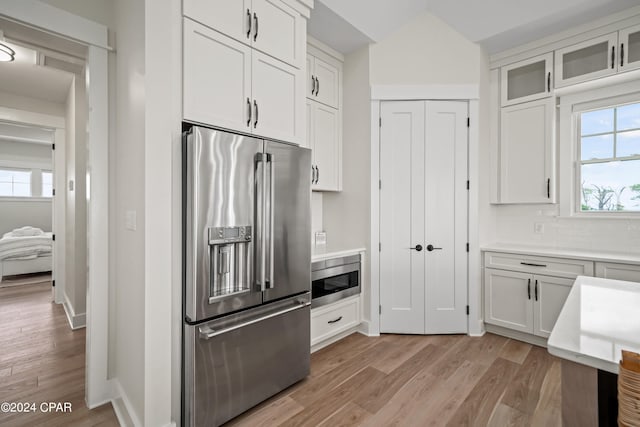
497 25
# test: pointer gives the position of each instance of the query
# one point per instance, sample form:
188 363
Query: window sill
25 199
625 216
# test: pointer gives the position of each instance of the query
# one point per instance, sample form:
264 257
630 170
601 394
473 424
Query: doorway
423 205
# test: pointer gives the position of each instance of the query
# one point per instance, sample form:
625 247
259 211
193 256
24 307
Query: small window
47 184
15 183
609 153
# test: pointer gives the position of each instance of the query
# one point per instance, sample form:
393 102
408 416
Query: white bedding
14 246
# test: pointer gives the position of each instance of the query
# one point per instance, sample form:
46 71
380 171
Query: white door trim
56 21
465 92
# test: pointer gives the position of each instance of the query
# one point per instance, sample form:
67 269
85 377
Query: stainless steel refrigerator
246 256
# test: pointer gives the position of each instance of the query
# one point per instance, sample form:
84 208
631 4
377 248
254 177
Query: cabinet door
311 77
508 299
587 60
278 96
610 270
549 295
629 39
327 83
279 31
230 17
327 150
217 78
526 80
527 153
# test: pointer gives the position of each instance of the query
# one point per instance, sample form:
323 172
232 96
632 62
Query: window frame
19 169
571 104
32 168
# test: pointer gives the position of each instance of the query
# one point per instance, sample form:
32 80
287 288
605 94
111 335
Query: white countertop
600 318
621 257
321 252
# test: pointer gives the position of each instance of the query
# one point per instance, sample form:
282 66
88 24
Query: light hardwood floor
42 360
404 380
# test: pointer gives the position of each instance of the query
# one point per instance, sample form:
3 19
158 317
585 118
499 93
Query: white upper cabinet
629 40
526 80
279 31
278 99
588 60
324 75
526 153
230 17
217 78
326 144
270 26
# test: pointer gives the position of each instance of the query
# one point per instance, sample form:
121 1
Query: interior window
609 147
15 183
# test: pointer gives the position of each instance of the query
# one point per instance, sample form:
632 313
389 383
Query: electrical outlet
538 228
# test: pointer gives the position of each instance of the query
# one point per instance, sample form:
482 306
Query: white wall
34 105
317 220
75 286
425 51
127 183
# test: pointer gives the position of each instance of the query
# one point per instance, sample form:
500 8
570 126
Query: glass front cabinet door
526 80
629 39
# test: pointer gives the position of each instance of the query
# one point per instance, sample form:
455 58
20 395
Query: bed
25 250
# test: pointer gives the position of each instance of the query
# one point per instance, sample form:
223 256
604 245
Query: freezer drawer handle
208 333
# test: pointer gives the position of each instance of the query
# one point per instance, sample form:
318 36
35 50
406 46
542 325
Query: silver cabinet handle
270 209
249 23
335 320
208 333
255 19
249 108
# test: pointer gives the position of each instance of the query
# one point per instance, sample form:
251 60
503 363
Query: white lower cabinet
330 320
524 302
610 270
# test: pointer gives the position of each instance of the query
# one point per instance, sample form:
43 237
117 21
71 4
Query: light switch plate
321 238
538 228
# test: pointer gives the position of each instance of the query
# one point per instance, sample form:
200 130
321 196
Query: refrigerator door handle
270 209
207 333
261 242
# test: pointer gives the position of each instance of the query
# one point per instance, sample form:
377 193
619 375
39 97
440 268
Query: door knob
417 248
431 248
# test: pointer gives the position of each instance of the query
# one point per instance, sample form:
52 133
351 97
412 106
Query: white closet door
446 217
402 217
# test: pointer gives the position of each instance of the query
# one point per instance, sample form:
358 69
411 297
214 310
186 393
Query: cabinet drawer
570 268
335 318
610 270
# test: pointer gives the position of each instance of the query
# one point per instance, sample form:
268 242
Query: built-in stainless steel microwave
334 279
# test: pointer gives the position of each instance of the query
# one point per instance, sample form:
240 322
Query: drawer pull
336 320
533 265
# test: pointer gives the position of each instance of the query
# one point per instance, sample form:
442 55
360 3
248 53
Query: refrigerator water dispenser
230 266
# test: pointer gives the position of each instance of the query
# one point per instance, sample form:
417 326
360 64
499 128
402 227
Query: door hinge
467 247
467 310
53 192
379 309
53 237
380 185
53 146
468 184
380 122
53 283
468 122
379 247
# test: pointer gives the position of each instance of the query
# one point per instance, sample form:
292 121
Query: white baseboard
123 408
478 330
365 329
76 321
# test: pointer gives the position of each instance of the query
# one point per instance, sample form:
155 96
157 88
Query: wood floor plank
379 392
515 350
524 391
323 408
548 413
477 408
349 415
506 416
274 413
42 360
404 347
